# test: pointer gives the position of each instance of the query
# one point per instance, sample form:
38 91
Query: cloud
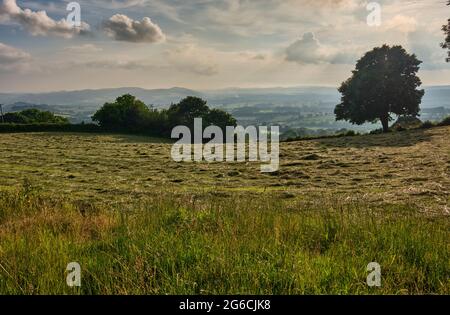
116 64
272 17
254 56
86 48
419 44
119 4
401 23
39 23
110 63
308 50
12 58
122 28
190 58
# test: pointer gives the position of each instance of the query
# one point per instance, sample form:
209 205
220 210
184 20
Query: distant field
140 223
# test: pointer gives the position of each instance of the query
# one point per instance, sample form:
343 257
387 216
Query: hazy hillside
435 96
98 97
19 106
291 108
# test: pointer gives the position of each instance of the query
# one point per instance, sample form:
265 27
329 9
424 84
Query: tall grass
204 245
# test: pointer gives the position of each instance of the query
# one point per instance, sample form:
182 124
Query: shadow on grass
393 139
133 139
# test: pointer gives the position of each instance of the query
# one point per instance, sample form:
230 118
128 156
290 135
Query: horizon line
194 90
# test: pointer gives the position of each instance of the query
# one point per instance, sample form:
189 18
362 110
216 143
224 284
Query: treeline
33 116
128 114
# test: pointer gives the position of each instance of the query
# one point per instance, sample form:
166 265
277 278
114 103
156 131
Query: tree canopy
131 115
126 113
191 107
383 83
34 116
185 111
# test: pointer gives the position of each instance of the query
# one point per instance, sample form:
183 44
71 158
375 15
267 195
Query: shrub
399 128
376 132
445 122
33 116
427 125
351 133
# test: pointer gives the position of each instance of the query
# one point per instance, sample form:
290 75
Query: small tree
446 43
383 83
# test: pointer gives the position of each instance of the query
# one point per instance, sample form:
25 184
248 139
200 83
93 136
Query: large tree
446 43
192 107
383 83
187 110
126 114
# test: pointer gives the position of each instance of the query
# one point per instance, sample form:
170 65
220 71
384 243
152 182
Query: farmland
138 222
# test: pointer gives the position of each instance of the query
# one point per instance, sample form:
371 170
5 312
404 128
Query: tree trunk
385 122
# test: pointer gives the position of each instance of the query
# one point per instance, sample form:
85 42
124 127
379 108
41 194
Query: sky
209 44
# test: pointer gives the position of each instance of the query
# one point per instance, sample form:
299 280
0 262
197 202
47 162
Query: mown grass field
139 223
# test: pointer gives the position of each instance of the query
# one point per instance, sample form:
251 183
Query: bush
376 132
399 128
351 133
445 122
406 122
34 116
427 125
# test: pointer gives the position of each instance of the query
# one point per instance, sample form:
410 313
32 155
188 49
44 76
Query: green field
140 223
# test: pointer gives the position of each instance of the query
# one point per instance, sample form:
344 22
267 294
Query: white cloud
167 8
308 50
401 23
39 23
190 58
122 28
274 17
119 4
12 58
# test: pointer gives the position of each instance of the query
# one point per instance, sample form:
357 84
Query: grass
183 245
139 223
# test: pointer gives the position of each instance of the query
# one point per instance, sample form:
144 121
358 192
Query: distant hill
288 107
20 106
91 98
435 96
